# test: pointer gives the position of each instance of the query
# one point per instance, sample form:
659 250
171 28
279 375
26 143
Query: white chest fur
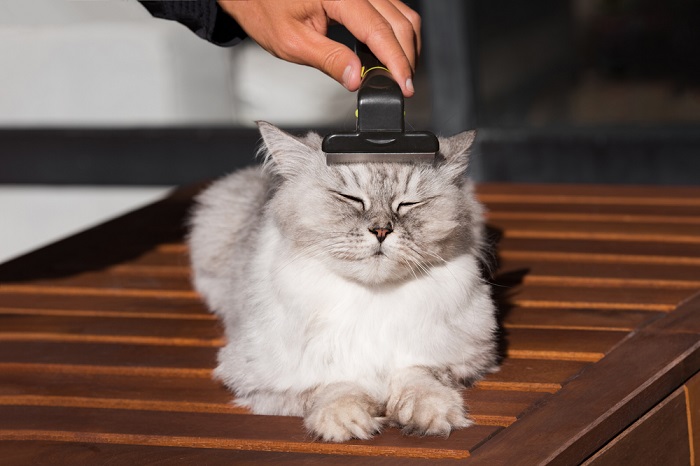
302 325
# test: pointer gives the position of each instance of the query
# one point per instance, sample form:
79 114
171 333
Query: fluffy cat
351 294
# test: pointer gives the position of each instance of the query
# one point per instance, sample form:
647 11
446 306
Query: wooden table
106 351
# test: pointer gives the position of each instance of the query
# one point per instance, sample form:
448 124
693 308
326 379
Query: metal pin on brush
380 136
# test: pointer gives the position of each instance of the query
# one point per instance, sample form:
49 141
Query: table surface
106 352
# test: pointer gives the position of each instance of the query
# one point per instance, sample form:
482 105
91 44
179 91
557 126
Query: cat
351 295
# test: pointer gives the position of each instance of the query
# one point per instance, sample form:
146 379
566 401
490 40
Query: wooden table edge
596 406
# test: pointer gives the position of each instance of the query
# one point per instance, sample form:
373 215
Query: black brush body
380 135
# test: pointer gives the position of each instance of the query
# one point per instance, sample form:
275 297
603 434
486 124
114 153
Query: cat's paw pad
348 416
427 408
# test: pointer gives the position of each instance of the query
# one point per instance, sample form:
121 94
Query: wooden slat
663 232
577 319
593 213
70 370
568 345
91 325
631 213
672 253
214 430
16 380
159 257
66 453
506 404
108 304
582 297
112 280
659 438
539 375
559 193
107 354
98 291
609 395
595 259
636 274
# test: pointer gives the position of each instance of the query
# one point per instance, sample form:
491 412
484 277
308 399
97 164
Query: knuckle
405 28
414 18
380 29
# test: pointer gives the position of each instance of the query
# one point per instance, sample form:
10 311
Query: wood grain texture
605 398
659 438
85 453
214 430
692 401
107 357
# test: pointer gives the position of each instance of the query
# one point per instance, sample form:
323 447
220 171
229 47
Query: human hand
295 30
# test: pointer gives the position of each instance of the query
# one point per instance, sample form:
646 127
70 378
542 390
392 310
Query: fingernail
346 76
409 85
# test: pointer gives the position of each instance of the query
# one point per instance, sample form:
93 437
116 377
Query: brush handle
380 104
367 58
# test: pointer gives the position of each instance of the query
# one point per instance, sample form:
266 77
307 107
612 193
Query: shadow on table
502 285
114 242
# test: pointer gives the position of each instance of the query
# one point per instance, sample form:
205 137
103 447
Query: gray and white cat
351 294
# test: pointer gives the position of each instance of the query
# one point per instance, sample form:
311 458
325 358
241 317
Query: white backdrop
109 63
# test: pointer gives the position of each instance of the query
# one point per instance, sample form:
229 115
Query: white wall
106 63
109 63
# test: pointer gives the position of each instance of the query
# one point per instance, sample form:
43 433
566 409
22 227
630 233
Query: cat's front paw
427 407
344 414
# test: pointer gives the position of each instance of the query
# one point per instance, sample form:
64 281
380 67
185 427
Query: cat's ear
456 150
287 155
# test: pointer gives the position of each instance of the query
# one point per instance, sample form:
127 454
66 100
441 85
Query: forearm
203 17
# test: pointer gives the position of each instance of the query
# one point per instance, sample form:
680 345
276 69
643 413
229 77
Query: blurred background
104 108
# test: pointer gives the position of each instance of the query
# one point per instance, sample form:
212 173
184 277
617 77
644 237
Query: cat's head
376 223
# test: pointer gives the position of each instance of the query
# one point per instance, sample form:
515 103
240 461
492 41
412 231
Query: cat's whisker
409 266
298 255
420 266
458 282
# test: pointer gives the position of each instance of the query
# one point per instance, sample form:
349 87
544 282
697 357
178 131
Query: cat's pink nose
381 232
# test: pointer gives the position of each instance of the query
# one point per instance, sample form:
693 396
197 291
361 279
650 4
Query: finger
333 58
369 26
415 20
402 27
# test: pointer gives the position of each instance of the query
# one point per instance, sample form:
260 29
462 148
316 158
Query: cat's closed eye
353 200
405 206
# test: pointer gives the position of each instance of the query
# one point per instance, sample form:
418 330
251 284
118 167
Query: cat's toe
427 409
342 419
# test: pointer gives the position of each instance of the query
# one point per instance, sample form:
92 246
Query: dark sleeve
203 17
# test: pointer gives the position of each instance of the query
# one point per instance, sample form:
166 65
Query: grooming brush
380 135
